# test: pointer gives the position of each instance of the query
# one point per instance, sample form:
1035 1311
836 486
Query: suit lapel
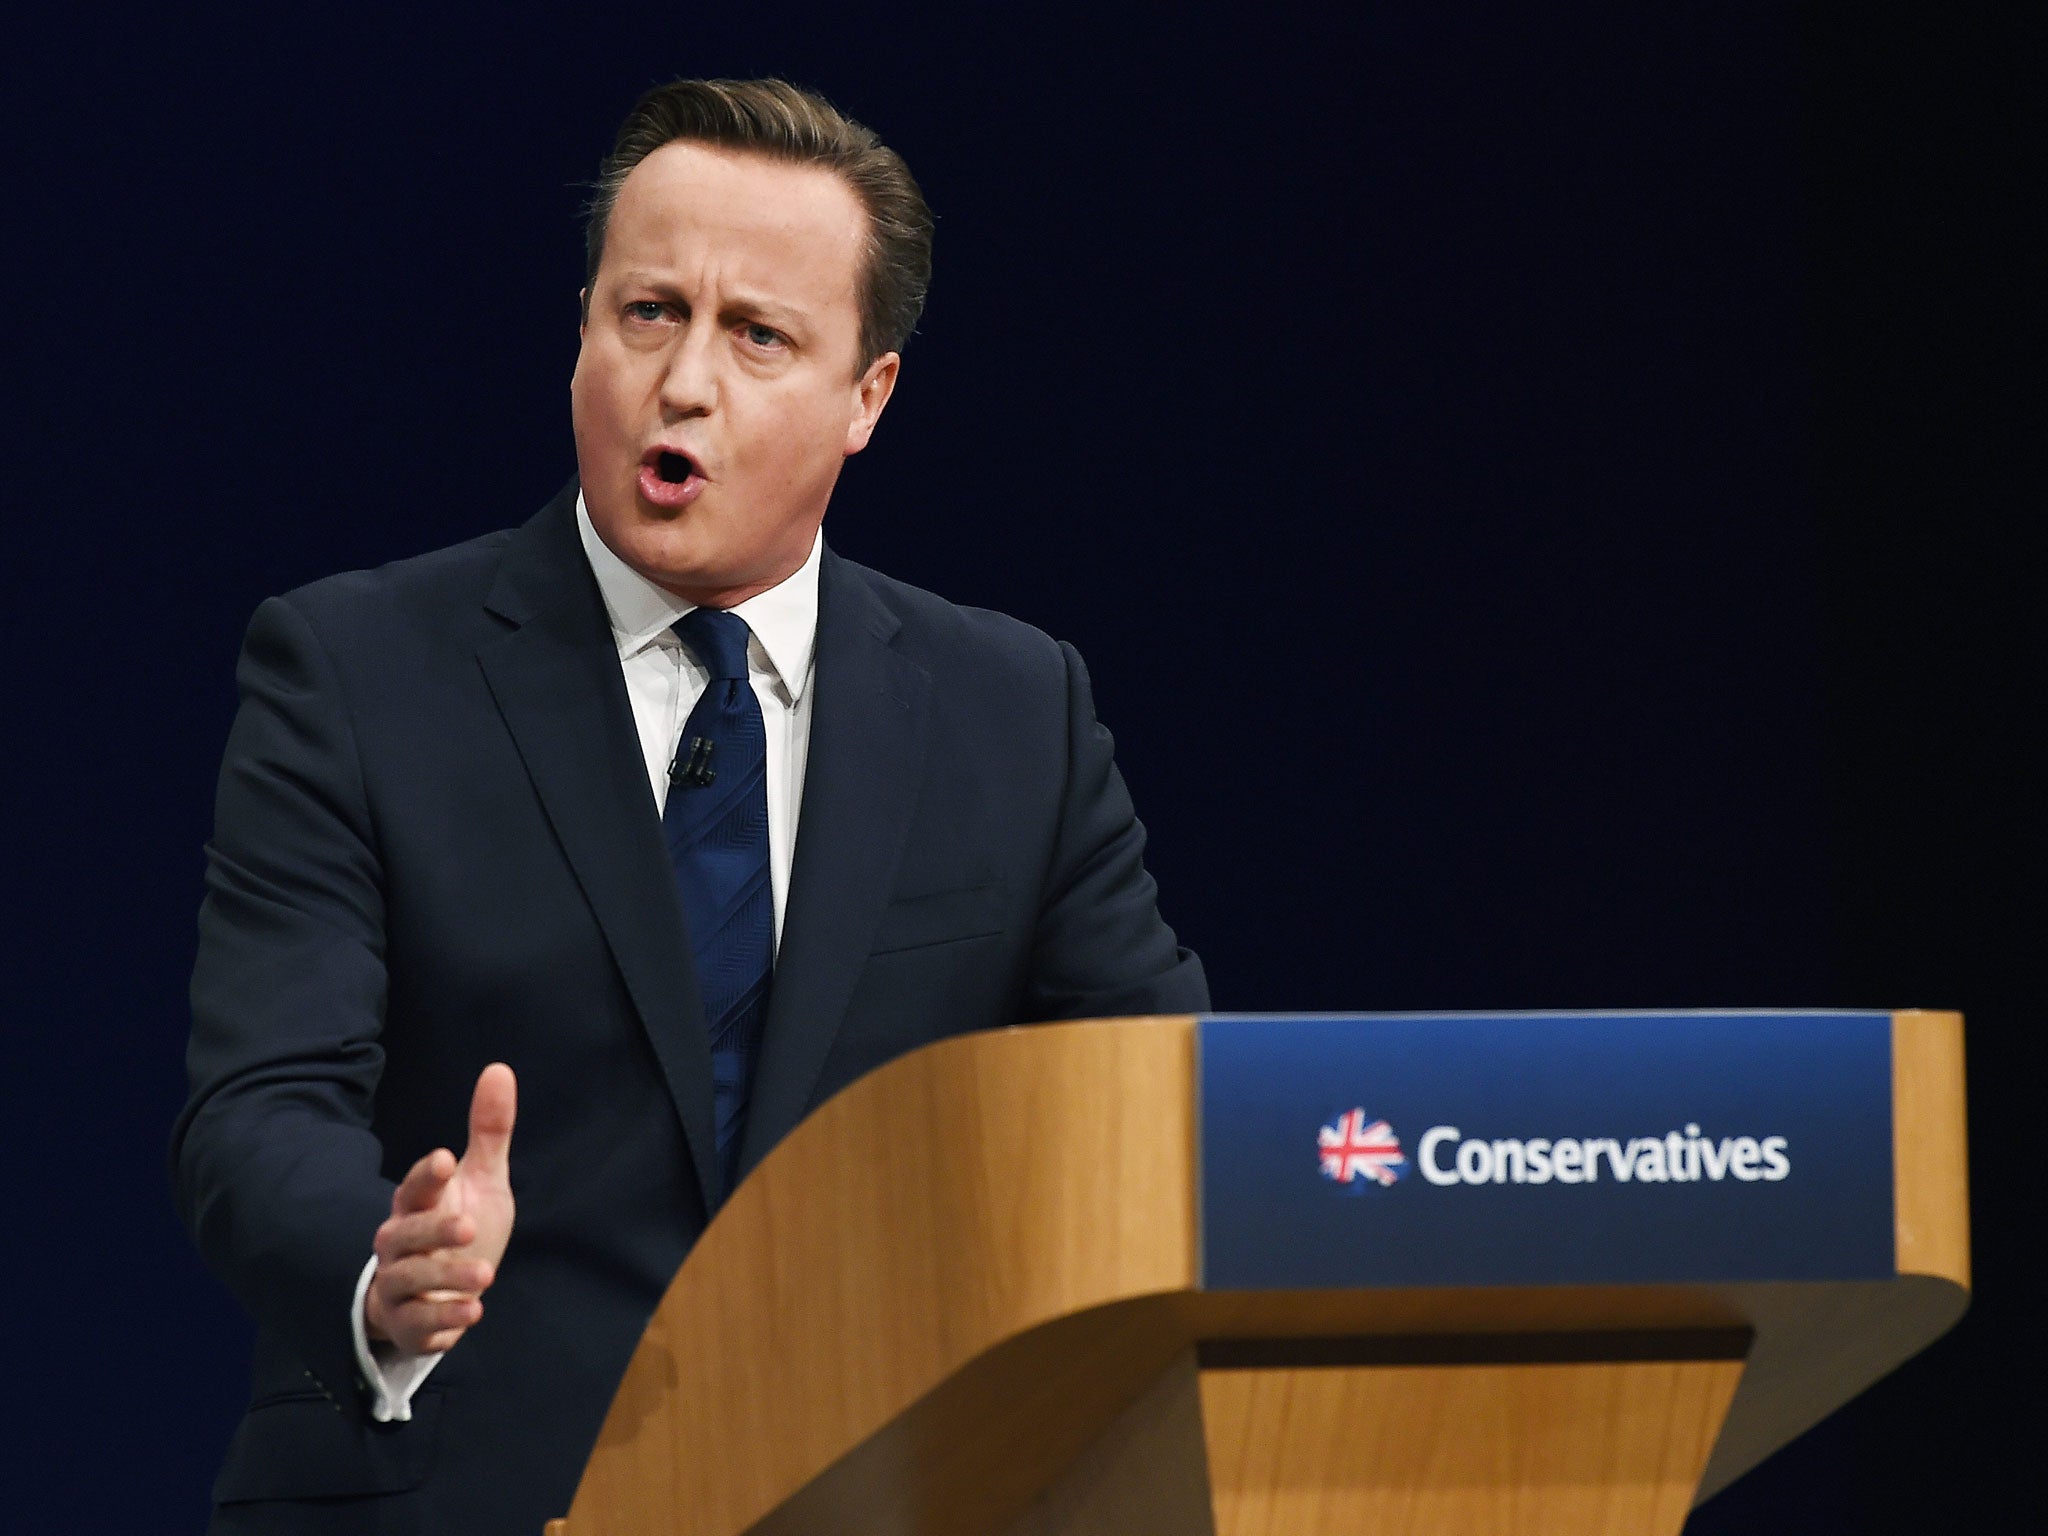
557 683
861 783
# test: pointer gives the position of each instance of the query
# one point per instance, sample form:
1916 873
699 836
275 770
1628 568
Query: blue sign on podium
1544 1149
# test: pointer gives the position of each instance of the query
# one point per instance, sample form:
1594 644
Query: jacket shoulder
442 581
942 633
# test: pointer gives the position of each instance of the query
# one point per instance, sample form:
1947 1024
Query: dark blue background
1542 489
1270 1220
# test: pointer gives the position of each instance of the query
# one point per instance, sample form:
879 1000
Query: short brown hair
784 122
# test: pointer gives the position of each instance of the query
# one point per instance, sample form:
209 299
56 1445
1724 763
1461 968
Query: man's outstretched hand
439 1251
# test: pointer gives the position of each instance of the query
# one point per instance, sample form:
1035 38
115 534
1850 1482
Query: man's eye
761 336
645 310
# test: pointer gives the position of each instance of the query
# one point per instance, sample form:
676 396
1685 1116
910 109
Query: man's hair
780 121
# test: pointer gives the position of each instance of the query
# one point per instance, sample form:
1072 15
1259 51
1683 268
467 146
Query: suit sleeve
1102 949
276 1168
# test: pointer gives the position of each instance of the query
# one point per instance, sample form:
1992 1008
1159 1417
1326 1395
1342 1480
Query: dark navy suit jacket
435 847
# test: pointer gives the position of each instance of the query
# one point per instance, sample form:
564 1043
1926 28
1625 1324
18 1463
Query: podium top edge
1569 1013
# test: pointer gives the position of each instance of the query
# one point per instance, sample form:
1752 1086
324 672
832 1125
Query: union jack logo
1352 1148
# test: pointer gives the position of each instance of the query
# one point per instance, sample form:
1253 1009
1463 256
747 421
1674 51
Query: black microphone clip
696 771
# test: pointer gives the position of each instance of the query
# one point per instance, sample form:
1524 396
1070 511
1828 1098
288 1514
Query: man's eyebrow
742 301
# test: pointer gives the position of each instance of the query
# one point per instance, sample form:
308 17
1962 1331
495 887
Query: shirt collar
784 619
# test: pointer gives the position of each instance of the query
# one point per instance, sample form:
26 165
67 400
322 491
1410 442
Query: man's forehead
800 223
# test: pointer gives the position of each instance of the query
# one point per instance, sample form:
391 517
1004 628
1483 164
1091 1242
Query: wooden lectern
970 1294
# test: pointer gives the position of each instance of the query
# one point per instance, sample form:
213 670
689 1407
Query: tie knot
717 639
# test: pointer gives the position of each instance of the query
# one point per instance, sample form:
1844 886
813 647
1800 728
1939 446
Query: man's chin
674 560
680 569
693 553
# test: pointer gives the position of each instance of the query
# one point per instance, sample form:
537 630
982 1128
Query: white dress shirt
664 681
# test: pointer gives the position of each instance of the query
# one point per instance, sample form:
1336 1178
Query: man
647 825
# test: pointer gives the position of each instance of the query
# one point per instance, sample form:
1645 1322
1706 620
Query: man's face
716 394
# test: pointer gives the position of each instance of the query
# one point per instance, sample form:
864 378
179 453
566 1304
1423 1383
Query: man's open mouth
673 467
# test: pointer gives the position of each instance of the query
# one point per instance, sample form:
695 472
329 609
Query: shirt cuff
391 1376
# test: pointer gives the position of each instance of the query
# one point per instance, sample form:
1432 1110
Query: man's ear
582 310
871 393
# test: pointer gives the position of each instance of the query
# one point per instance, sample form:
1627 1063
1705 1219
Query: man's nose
689 385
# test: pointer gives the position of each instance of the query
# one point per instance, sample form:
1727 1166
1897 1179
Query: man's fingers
492 1109
424 1296
440 1343
428 1327
423 1232
444 1275
424 1182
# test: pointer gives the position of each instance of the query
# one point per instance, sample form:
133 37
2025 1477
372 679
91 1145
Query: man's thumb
491 1111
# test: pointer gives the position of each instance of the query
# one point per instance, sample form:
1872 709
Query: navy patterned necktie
716 823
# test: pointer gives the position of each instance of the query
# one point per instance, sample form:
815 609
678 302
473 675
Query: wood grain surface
952 1202
1930 1146
1601 1449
